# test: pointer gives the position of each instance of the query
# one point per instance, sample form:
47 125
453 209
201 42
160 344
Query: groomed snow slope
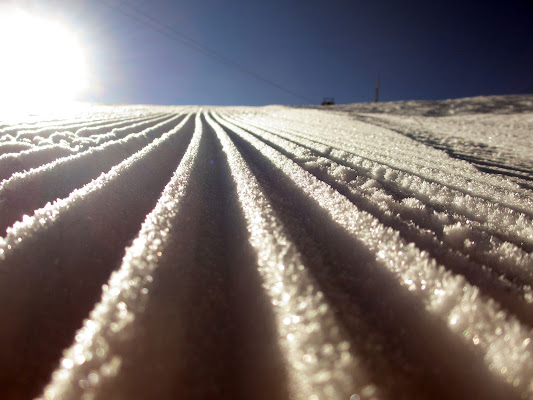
268 253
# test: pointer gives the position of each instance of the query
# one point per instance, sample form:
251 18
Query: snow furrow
124 122
78 114
313 342
474 320
415 223
360 144
120 133
452 228
53 124
13 147
482 213
136 332
27 159
364 140
81 143
47 131
58 178
34 158
267 252
111 331
500 145
98 220
362 137
78 142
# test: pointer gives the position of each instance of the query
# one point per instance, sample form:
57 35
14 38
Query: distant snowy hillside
366 251
512 104
494 133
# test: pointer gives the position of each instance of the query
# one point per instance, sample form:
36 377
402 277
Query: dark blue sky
421 49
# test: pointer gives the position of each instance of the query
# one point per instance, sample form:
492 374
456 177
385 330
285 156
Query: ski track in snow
267 253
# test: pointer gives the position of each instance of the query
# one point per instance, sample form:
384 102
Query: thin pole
377 90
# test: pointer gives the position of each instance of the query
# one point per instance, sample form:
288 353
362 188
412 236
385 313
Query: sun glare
41 61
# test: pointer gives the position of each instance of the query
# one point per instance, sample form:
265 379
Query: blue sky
421 49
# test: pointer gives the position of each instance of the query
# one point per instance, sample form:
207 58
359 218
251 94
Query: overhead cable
171 33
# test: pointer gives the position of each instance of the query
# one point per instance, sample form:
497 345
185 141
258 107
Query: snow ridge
163 252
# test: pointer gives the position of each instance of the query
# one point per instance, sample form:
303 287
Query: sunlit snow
366 251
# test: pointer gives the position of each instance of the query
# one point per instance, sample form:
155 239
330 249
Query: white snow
371 251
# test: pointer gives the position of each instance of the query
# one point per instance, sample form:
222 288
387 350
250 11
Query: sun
41 60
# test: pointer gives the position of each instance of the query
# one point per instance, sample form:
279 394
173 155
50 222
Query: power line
180 37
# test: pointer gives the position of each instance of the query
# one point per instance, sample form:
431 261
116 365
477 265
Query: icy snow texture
160 252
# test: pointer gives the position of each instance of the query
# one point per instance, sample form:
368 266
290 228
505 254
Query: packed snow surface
366 251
